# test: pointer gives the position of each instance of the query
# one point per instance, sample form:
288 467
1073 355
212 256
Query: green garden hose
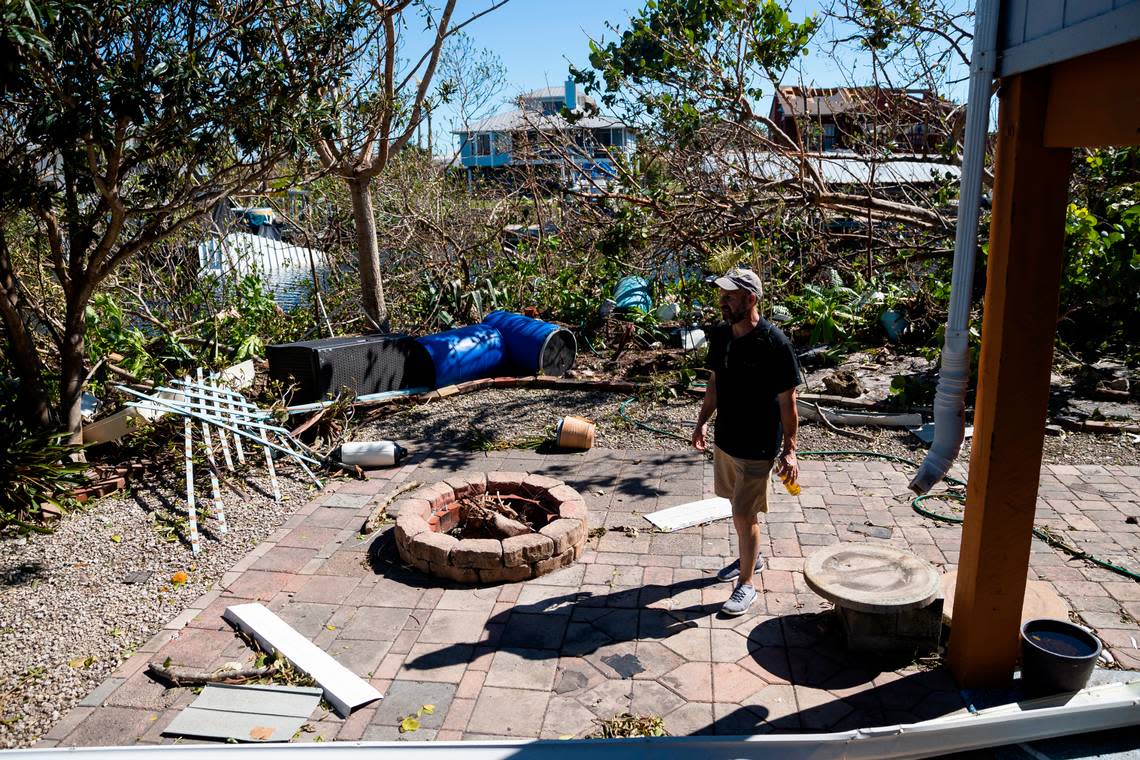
625 416
916 503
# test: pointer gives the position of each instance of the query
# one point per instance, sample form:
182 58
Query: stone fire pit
555 527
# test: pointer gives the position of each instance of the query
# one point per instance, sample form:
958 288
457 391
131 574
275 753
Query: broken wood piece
872 419
508 528
514 497
1097 426
344 690
380 513
312 420
841 401
690 514
182 676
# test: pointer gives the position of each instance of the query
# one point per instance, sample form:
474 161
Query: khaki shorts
744 482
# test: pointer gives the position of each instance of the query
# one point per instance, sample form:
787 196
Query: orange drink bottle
792 486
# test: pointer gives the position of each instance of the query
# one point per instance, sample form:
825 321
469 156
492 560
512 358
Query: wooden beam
1094 100
1022 284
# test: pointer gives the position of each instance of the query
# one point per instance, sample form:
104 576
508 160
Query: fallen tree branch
834 429
381 512
180 676
313 420
125 374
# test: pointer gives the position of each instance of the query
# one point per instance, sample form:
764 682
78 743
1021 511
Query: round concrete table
871 578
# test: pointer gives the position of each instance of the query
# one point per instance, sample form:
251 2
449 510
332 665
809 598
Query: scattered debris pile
626 725
497 515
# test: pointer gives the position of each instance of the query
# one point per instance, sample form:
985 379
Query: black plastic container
364 364
1056 656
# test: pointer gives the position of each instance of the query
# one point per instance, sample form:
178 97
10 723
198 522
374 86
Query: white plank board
246 713
693 513
344 690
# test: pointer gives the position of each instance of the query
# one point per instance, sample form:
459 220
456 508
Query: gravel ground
67 619
514 416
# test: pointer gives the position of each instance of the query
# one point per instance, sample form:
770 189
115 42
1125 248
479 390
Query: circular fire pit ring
427 518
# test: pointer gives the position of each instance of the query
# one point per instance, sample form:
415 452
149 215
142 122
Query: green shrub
34 470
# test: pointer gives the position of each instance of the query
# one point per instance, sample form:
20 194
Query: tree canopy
126 120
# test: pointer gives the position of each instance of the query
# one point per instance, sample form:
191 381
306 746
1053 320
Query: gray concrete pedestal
887 598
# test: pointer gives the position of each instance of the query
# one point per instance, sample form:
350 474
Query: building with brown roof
865 118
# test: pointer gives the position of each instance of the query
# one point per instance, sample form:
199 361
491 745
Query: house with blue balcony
580 149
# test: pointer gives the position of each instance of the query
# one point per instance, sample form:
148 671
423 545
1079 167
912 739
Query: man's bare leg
748 538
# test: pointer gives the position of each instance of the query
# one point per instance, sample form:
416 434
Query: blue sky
536 40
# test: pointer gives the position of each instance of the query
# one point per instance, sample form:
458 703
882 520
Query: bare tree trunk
73 355
35 407
368 253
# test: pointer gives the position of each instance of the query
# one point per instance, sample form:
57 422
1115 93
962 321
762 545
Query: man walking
752 387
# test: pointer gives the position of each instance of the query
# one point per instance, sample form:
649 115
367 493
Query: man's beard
732 316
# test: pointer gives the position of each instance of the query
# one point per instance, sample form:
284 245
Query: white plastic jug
372 453
692 339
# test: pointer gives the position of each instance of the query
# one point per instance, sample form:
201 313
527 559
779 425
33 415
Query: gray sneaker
732 571
741 599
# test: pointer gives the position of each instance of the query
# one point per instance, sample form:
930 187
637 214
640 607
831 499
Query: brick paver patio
633 626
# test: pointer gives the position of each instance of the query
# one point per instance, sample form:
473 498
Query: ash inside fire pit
502 526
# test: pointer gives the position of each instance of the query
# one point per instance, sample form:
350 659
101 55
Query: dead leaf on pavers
260 733
409 724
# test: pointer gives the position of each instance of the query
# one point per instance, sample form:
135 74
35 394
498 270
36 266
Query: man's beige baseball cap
739 278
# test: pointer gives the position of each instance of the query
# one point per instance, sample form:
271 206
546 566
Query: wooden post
1022 284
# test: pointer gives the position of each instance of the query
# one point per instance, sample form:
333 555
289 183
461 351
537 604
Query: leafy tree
124 122
378 109
695 77
1101 276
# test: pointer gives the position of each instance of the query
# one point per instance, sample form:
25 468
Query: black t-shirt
750 372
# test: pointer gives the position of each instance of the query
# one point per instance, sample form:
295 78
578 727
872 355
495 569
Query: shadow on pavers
602 469
582 623
910 698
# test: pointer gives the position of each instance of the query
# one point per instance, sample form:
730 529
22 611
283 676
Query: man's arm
790 421
708 406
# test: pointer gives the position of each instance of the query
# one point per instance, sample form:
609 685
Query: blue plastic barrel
534 347
633 293
465 353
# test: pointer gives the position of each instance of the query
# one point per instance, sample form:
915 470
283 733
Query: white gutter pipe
1096 709
954 376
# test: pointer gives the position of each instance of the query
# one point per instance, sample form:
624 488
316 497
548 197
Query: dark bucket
465 353
532 346
1056 656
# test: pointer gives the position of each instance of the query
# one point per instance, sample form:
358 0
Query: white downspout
954 376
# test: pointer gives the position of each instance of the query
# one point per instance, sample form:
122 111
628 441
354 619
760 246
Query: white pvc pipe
954 376
1097 709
